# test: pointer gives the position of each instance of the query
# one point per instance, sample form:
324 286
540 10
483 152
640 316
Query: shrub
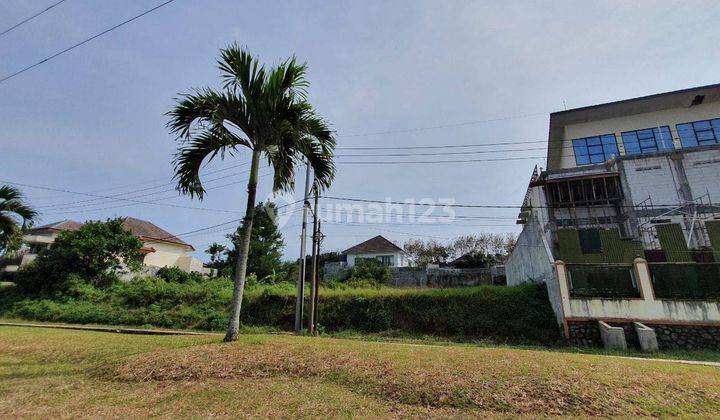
176 275
368 272
92 253
512 314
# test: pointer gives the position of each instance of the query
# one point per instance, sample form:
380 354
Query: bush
367 272
93 254
512 314
176 275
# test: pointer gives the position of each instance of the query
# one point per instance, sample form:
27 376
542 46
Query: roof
140 228
61 225
376 245
667 100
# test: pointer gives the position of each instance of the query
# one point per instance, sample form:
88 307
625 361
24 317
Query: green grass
60 373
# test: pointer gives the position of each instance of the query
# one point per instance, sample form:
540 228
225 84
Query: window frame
600 147
630 136
688 133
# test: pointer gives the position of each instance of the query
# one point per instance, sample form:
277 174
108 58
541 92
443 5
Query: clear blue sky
92 119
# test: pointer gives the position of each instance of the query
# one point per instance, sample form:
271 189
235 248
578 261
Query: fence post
563 286
642 272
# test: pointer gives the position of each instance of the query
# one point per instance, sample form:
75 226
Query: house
160 248
377 248
624 223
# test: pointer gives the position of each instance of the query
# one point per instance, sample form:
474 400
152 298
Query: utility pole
317 272
301 275
314 279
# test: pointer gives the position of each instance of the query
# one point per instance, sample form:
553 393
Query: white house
378 248
161 248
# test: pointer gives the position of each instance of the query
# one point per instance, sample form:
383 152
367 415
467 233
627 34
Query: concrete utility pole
314 279
301 275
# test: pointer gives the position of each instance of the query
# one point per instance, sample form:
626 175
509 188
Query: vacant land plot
62 373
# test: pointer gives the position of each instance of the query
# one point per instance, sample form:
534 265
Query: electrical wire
22 22
85 41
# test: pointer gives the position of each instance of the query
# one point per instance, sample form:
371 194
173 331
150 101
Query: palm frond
200 149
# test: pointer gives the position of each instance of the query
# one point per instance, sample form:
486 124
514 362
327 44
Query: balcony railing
686 280
611 281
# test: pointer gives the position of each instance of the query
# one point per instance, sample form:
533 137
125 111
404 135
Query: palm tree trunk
242 254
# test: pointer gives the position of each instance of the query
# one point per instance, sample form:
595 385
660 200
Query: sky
384 74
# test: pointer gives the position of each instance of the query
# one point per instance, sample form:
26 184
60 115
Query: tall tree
263 111
15 215
266 243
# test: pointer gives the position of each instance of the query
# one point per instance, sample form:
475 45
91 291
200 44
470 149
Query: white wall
400 259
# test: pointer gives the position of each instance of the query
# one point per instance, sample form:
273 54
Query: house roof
140 228
376 245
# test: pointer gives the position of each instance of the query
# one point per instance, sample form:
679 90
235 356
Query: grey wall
531 262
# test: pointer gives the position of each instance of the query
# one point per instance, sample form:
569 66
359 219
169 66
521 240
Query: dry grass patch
496 380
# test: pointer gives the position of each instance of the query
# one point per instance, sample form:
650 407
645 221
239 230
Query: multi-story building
629 182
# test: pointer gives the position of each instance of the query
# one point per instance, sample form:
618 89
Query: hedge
509 314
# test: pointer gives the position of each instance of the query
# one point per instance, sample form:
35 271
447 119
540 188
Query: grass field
60 373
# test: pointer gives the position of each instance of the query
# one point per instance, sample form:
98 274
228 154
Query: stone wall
687 337
669 336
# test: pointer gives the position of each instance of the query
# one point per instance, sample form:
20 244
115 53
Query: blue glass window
597 149
699 133
648 140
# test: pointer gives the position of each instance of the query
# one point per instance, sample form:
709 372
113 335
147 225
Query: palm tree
214 250
264 111
13 209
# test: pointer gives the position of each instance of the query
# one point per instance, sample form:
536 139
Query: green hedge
513 314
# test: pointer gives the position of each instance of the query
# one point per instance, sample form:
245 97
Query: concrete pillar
646 337
612 337
644 281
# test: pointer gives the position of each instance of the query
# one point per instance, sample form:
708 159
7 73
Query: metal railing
685 280
611 281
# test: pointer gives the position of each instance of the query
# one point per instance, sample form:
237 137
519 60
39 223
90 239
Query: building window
386 259
596 149
699 133
590 241
648 140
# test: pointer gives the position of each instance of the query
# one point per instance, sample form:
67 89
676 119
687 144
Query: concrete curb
118 330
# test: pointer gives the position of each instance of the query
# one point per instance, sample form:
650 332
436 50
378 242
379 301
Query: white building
160 248
380 249
632 180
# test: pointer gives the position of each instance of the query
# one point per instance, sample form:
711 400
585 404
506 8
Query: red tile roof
140 228
376 245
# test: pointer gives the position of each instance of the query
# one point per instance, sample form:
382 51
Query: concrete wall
165 255
647 309
669 117
531 260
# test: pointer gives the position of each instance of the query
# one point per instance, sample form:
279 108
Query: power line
118 187
479 206
44 60
471 152
442 146
72 204
436 127
66 211
398 162
30 18
119 199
